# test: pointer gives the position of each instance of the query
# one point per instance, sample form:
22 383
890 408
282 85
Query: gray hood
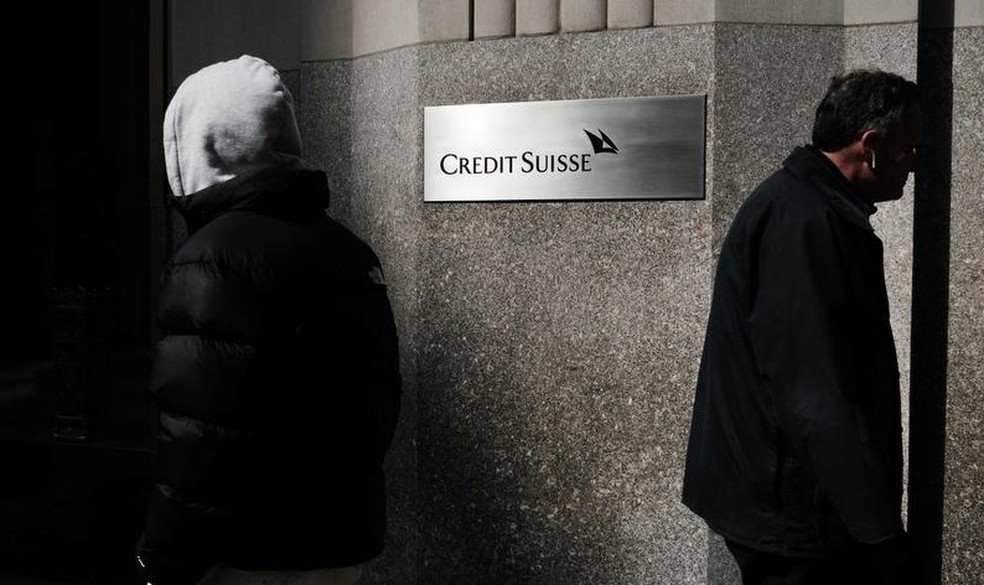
227 119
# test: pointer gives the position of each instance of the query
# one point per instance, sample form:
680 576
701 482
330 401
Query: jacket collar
810 165
291 194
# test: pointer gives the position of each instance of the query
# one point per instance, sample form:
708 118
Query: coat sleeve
374 323
204 368
804 329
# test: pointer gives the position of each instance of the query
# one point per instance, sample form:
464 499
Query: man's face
896 158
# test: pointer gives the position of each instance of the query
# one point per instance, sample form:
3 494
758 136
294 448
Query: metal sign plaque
617 148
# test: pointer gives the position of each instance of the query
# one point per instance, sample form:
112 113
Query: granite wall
963 502
560 343
550 349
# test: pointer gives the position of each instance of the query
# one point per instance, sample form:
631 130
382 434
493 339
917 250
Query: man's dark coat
795 444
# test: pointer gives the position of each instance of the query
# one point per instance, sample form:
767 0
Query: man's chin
890 194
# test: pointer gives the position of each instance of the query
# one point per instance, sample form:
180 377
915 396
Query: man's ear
871 141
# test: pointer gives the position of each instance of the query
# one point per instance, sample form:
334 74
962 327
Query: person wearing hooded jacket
795 448
276 378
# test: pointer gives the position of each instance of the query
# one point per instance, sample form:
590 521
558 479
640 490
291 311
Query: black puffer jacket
796 446
277 384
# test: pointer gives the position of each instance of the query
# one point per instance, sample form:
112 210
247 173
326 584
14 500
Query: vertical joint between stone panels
326 30
946 15
471 20
537 17
443 21
493 18
583 15
685 12
623 14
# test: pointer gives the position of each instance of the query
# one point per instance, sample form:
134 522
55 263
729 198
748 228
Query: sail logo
601 143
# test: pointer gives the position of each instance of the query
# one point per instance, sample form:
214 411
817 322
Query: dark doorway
75 418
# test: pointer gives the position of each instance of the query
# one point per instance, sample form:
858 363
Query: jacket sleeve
374 322
804 327
391 381
204 369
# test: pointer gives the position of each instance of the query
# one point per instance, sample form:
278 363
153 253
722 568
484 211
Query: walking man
795 449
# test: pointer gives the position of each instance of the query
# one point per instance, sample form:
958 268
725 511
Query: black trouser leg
762 568
888 563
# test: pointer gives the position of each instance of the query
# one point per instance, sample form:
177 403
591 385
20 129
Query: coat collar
292 194
811 166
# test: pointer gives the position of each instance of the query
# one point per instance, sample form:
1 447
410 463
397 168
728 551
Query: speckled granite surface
764 103
963 517
561 344
550 349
